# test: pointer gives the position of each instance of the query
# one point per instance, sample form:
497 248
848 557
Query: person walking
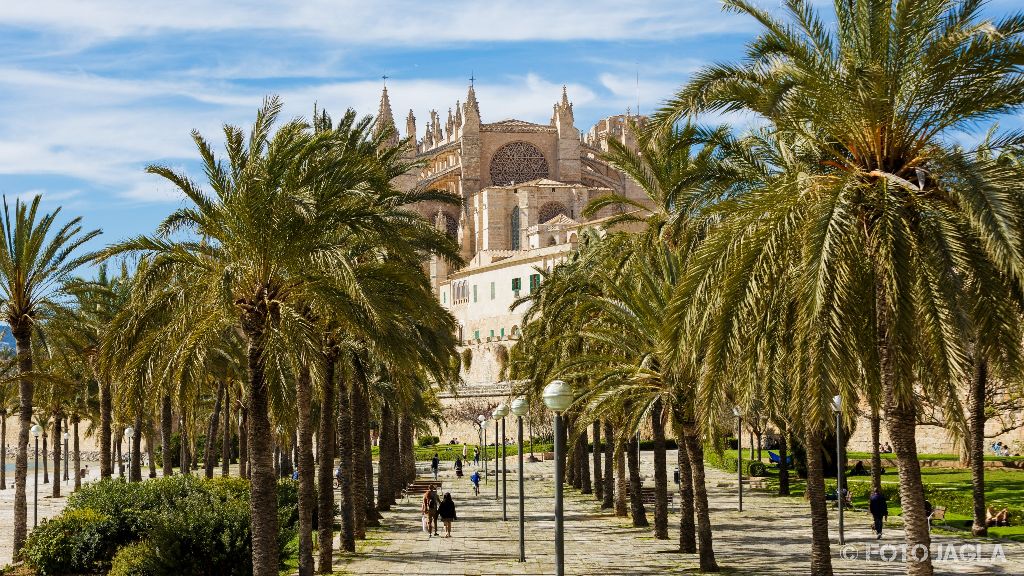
431 502
476 456
447 513
879 510
465 451
435 464
458 467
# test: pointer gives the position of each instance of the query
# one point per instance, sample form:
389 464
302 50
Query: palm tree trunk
705 545
307 478
876 457
976 443
326 449
225 446
210 454
636 503
687 531
582 445
363 506
3 449
77 454
901 420
23 342
135 462
784 463
243 441
386 476
166 426
351 469
660 472
149 450
263 503
186 457
821 556
106 422
598 483
57 417
608 500
46 467
407 448
620 475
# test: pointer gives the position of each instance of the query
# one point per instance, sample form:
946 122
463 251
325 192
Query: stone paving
771 536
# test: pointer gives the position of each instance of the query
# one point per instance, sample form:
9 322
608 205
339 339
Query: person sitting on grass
993 518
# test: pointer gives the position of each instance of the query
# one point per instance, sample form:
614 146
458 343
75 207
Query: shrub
202 533
71 543
428 440
756 468
137 559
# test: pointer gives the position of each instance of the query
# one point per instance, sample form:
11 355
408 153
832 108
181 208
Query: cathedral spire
471 103
385 117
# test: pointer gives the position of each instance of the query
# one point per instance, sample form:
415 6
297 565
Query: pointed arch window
514 228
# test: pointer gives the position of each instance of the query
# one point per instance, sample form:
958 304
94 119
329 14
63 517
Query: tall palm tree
890 208
36 256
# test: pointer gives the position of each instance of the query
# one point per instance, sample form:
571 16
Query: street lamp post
129 432
500 412
837 407
65 456
520 408
36 430
739 452
558 397
497 485
483 426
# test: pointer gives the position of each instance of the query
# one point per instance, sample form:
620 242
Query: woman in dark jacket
447 513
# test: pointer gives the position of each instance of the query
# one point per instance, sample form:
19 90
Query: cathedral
524 188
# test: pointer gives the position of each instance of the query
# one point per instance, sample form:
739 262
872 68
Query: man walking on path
879 510
429 509
435 464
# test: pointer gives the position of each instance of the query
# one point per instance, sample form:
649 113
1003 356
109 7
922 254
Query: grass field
950 487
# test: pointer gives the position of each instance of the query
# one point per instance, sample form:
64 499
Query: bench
938 513
421 486
758 483
648 496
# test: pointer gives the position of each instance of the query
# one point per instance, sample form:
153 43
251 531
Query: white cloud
391 21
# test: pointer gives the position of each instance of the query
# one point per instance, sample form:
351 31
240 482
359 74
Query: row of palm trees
844 245
287 295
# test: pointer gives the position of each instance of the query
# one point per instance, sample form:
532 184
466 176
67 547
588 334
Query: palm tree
36 256
889 209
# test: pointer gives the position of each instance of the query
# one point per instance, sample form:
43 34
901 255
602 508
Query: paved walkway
772 536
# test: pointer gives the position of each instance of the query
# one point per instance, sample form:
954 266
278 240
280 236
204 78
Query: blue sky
92 91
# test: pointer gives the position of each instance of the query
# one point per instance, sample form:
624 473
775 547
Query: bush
71 543
756 468
203 533
178 525
424 441
137 559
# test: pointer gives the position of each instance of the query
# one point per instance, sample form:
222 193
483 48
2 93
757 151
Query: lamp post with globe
482 438
66 436
519 409
499 414
558 397
738 412
129 433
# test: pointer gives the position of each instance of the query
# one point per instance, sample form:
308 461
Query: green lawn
949 487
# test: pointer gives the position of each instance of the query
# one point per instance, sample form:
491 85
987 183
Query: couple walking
433 507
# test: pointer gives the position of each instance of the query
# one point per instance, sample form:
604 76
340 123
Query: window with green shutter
534 282
517 284
474 292
492 290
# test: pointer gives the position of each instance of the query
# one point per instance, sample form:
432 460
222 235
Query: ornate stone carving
517 162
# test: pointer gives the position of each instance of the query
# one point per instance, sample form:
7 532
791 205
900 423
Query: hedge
167 526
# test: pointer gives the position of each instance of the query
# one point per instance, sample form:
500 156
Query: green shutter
474 292
492 290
